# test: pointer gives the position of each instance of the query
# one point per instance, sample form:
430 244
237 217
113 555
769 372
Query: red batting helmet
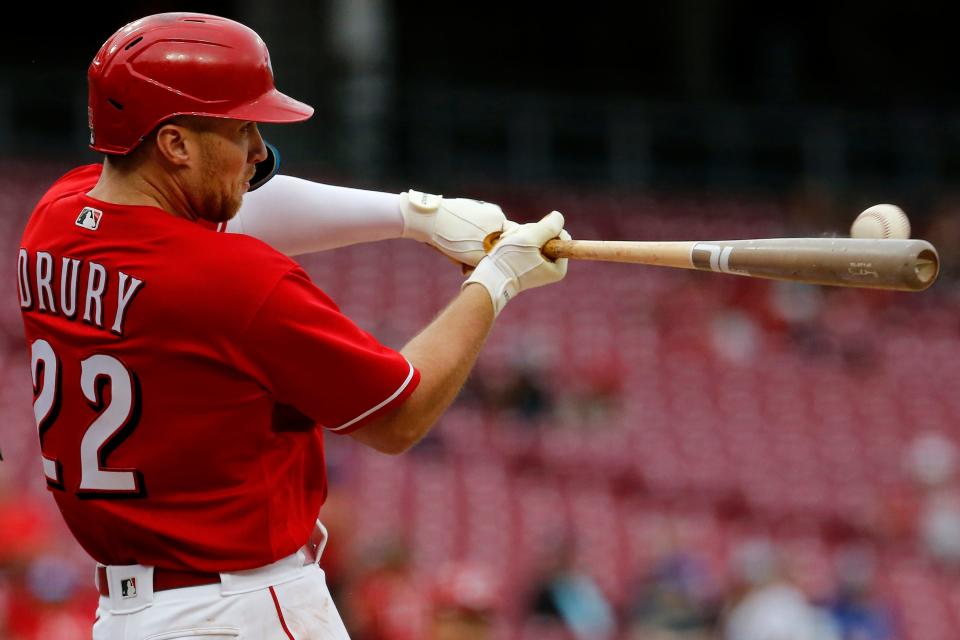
173 64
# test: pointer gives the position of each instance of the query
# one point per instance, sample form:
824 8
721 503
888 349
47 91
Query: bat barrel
904 265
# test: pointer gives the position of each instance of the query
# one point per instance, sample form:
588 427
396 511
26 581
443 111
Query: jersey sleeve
313 357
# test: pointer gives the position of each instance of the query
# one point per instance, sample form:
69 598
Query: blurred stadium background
642 453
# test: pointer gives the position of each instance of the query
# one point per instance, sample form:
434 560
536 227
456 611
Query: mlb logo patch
128 588
89 218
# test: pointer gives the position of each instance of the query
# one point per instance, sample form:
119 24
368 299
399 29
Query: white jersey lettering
68 292
44 278
44 275
125 296
96 285
23 279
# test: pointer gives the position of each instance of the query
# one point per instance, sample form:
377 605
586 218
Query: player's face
229 151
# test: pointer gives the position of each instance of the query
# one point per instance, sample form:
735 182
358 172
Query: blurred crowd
676 597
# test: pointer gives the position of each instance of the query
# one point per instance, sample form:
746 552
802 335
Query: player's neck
137 188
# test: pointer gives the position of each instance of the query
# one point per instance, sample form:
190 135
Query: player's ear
176 143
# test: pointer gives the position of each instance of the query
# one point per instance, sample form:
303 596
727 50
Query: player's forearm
297 216
444 353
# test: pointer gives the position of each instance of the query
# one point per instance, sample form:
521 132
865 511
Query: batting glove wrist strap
497 280
455 226
516 264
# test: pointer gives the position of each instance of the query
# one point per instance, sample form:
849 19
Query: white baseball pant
287 600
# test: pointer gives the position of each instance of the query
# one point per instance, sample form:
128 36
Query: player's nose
258 150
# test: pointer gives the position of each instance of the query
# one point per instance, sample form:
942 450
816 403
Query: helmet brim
273 106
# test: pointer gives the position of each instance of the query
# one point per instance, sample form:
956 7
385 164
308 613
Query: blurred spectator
42 594
566 597
766 605
465 604
931 462
386 601
26 529
522 390
593 395
49 600
798 309
524 394
674 600
517 388
855 608
734 336
845 314
940 526
795 304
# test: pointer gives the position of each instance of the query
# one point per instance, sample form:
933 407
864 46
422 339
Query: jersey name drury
74 288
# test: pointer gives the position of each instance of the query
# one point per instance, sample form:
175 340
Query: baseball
881 221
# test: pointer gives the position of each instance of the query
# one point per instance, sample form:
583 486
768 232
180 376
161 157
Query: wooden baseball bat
902 265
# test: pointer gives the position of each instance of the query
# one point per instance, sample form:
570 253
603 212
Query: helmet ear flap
267 168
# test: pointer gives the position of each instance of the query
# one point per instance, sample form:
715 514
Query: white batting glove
515 264
455 226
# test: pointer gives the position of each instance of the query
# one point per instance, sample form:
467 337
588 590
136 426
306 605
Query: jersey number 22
114 422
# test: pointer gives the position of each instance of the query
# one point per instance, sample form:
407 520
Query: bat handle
554 249
551 250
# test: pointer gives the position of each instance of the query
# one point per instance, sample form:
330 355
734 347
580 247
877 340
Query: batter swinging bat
904 265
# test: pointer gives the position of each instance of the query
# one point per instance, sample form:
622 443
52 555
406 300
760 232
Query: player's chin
224 210
229 212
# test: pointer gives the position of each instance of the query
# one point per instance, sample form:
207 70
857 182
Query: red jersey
180 375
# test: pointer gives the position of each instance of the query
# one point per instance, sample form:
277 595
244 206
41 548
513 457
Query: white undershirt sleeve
296 216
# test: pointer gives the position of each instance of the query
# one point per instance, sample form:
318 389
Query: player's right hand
516 263
457 227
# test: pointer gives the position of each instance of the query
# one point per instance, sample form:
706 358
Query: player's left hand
457 227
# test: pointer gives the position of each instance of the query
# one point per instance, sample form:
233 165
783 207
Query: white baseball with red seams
881 221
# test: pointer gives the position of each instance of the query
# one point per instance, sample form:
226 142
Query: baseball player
183 376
